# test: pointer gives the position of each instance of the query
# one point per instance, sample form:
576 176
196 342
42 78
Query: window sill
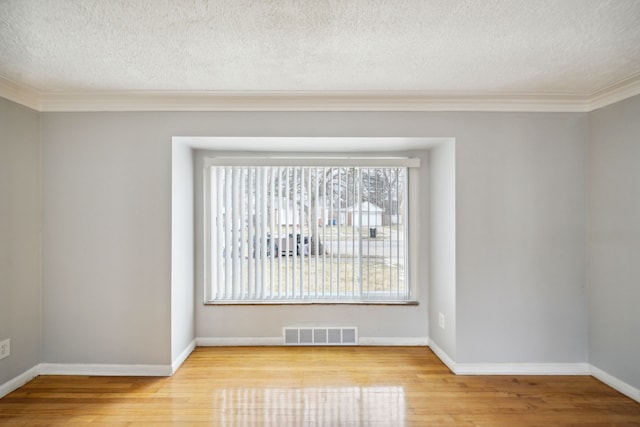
323 302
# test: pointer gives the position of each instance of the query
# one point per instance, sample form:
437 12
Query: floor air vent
320 335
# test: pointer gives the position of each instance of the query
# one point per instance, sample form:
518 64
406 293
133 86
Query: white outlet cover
441 320
5 348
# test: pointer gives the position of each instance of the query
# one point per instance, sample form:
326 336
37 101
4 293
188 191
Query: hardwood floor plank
317 386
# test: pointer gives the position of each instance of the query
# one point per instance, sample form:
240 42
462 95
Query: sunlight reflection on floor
312 406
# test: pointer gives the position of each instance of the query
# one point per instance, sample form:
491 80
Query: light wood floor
319 386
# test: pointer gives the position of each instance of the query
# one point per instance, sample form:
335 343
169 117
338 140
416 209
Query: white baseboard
616 383
183 356
522 369
93 369
510 368
268 341
444 357
456 368
99 369
237 341
19 381
394 341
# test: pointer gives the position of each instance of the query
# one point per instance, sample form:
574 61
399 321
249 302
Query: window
306 230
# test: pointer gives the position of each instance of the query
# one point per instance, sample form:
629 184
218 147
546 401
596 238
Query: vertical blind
307 233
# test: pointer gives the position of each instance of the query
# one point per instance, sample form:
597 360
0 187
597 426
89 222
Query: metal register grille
332 335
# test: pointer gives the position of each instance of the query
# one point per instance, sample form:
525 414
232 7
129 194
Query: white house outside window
307 230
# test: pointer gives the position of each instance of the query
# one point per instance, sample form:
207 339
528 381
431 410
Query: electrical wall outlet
441 320
5 348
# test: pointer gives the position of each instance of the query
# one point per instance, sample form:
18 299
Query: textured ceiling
433 46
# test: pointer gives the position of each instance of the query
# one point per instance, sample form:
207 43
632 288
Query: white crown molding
314 101
615 93
19 93
307 101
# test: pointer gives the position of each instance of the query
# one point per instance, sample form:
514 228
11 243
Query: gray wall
19 237
442 295
614 240
182 250
106 239
520 238
520 220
